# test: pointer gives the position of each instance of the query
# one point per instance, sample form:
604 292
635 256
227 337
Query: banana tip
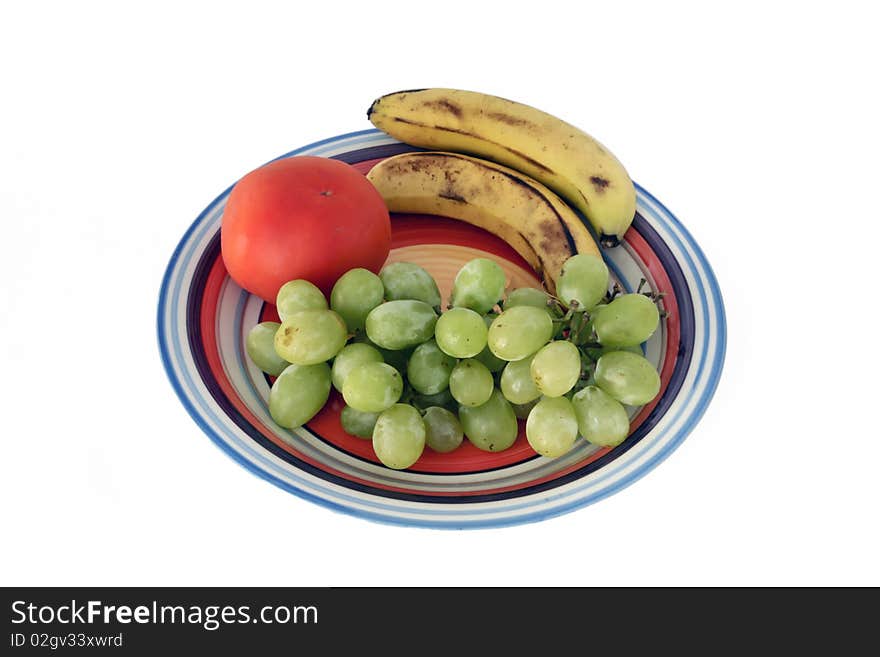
399 94
372 107
609 241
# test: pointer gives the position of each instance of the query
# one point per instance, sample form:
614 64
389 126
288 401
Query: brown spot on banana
444 105
452 196
549 232
515 121
600 184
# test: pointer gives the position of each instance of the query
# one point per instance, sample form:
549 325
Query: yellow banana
559 155
521 211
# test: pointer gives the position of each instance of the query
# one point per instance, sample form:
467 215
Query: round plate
204 317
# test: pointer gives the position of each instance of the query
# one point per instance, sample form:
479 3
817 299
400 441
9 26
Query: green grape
298 295
479 285
627 377
527 296
443 398
399 436
298 393
405 280
471 382
552 427
352 355
400 324
602 420
354 295
461 333
428 369
517 384
357 423
556 368
596 352
486 357
519 332
311 336
522 410
260 346
530 296
584 279
372 387
628 320
492 426
442 429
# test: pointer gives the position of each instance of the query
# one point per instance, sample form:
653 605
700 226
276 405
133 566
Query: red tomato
302 217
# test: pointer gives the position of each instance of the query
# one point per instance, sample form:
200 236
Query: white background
755 124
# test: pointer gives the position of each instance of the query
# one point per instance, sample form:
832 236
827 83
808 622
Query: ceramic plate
204 317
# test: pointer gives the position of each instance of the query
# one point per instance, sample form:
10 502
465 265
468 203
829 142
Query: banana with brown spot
531 218
556 153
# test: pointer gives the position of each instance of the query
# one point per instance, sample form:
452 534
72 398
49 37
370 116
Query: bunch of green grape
413 375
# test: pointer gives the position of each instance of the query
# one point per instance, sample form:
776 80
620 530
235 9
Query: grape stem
653 296
613 292
575 322
574 329
557 305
